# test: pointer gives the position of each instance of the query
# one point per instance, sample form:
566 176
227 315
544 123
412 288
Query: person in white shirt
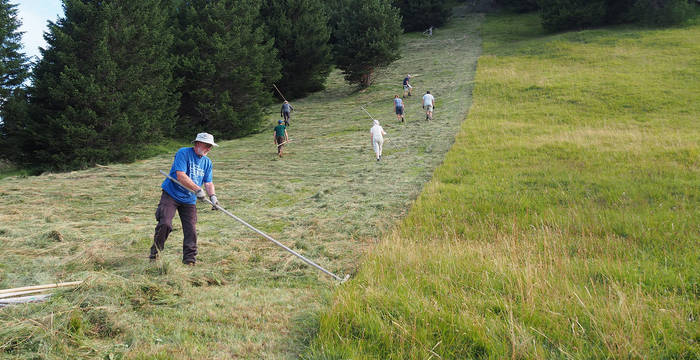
428 105
377 134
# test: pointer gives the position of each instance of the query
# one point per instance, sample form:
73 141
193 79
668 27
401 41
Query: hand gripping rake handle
268 237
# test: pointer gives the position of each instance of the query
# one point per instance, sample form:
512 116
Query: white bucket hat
205 138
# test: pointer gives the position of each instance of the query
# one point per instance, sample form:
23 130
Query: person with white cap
406 86
285 112
193 169
377 134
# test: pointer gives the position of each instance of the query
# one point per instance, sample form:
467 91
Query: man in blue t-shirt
193 169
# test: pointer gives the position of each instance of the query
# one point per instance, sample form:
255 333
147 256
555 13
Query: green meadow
327 198
550 210
563 223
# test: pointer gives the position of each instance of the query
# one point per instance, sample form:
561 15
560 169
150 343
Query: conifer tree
103 85
14 70
367 37
227 65
14 65
301 33
419 15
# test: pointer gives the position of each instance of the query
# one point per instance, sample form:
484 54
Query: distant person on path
285 112
398 108
377 135
280 136
406 86
428 105
193 169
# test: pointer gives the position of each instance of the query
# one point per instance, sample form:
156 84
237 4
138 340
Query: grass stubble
563 223
246 298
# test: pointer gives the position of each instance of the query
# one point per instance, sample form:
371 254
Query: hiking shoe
189 262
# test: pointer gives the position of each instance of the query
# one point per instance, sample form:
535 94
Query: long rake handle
268 237
370 115
279 92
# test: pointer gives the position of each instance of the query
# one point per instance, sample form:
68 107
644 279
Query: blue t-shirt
405 81
198 168
398 102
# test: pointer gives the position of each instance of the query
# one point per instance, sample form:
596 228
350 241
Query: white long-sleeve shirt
377 131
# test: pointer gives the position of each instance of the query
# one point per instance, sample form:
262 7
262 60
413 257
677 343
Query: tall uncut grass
563 223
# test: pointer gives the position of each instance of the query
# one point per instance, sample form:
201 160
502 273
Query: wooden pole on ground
41 287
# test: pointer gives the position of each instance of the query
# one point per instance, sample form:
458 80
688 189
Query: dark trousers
164 215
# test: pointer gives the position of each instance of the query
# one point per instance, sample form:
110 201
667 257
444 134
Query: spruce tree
227 65
103 85
367 37
301 33
14 70
14 65
419 15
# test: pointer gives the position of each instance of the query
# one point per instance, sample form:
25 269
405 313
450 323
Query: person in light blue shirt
398 108
193 169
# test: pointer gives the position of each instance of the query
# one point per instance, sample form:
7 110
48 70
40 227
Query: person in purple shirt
193 169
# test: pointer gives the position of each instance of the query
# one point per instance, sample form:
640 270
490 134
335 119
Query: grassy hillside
564 222
328 199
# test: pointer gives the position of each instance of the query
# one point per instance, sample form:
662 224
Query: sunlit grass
563 223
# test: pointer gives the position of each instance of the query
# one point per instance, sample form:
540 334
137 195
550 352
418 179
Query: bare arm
185 180
210 188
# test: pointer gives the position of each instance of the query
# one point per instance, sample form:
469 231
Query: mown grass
246 298
563 223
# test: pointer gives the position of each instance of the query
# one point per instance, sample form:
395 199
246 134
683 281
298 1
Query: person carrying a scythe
406 86
193 169
377 135
285 111
280 136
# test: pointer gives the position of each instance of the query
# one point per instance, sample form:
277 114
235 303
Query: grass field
246 298
563 223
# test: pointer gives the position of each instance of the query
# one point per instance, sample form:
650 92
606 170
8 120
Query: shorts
407 87
428 107
280 139
399 110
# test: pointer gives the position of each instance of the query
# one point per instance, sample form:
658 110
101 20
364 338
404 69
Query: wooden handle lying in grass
19 293
40 287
